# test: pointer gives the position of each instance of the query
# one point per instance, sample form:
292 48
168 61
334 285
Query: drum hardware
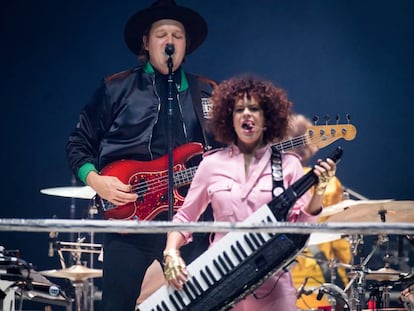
348 193
339 300
92 211
365 210
78 274
385 277
336 296
75 192
357 291
79 247
380 294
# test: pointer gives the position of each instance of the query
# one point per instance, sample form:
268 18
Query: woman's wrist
171 252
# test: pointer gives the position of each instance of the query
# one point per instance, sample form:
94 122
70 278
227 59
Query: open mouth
248 125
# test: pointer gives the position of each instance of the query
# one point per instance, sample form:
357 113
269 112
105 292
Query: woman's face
163 32
249 123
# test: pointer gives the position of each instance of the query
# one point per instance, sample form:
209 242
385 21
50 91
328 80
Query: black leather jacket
118 122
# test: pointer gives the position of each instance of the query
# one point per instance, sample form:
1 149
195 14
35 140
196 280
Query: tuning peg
315 119
327 118
348 117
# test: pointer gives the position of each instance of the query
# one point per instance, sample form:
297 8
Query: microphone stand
169 50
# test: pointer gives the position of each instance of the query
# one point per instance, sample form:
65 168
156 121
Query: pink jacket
220 180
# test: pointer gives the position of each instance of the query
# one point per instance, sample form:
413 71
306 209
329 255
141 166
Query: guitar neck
292 143
317 135
184 177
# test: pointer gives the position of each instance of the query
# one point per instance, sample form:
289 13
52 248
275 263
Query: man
128 118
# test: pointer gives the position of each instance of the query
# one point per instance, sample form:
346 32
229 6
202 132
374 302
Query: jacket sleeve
84 141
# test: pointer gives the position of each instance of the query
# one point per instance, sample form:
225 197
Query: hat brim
194 24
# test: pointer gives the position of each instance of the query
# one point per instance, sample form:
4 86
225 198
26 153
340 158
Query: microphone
169 49
302 291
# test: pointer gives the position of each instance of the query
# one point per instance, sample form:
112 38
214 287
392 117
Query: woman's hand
325 170
175 271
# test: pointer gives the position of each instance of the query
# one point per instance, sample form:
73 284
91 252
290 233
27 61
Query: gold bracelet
172 252
320 188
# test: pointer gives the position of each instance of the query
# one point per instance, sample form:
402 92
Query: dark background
332 57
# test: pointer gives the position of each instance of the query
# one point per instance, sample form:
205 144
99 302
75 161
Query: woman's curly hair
272 99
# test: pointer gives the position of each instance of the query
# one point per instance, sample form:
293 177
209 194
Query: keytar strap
277 174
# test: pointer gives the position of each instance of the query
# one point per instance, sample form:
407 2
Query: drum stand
358 297
79 275
92 211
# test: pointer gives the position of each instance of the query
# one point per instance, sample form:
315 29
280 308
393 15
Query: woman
248 115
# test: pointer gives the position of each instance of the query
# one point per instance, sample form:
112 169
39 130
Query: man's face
163 32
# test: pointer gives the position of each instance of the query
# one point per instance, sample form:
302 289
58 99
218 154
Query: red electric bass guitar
149 179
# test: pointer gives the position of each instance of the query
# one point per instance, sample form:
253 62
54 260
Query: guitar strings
160 183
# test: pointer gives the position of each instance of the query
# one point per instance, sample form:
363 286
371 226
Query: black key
236 253
223 264
192 288
174 302
261 239
187 291
179 299
220 270
206 279
211 274
228 260
249 243
255 240
243 252
197 284
165 306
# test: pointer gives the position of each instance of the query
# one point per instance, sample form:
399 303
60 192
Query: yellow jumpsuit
307 266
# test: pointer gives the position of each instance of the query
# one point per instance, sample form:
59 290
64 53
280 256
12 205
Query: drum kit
78 273
366 287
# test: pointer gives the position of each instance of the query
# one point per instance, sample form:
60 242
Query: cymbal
370 211
83 192
320 237
383 274
74 273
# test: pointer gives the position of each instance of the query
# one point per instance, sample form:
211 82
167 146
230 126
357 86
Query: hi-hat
383 274
84 192
74 273
320 237
369 211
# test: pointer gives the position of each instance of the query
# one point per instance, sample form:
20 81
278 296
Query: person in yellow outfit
318 263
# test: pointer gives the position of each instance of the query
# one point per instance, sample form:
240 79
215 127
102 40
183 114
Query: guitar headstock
323 135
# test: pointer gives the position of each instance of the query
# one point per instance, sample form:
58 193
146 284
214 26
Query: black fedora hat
194 23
